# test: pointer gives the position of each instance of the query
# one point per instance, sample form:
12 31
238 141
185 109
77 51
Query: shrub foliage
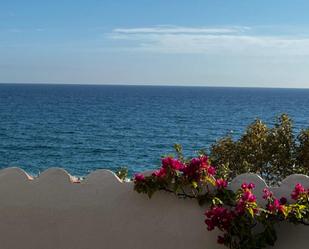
273 152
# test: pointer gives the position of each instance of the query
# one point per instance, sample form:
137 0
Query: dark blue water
83 128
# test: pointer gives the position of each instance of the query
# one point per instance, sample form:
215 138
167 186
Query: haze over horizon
153 85
206 43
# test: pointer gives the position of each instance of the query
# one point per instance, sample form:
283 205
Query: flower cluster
299 192
198 167
139 177
246 213
223 218
236 214
246 200
274 205
220 217
221 183
193 173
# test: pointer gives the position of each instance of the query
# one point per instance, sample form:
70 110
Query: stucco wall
51 212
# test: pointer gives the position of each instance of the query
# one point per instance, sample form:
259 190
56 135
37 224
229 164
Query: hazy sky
182 42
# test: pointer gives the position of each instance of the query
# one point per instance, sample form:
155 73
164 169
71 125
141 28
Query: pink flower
251 186
197 166
169 162
221 183
204 161
219 217
211 170
244 186
159 173
267 194
298 190
192 171
204 164
210 225
275 206
195 162
248 196
139 177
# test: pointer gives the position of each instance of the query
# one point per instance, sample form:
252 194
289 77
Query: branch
180 195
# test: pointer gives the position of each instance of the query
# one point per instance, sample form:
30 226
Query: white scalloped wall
101 212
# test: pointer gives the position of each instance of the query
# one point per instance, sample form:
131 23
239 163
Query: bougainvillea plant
244 223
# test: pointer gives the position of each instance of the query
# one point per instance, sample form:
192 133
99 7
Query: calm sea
83 128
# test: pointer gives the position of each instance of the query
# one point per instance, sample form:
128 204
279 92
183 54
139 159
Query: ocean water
86 127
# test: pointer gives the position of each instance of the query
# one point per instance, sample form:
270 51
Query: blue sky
200 42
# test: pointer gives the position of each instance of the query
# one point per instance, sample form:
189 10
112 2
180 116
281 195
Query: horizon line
150 84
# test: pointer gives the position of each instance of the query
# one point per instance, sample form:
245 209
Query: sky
246 43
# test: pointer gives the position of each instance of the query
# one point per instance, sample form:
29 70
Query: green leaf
194 184
216 201
251 212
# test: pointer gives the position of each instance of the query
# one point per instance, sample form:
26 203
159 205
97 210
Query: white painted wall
50 212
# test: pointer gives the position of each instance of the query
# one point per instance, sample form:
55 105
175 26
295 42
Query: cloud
234 41
177 30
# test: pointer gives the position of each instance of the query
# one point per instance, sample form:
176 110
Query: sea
82 128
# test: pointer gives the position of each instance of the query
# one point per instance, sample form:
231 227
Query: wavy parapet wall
52 211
